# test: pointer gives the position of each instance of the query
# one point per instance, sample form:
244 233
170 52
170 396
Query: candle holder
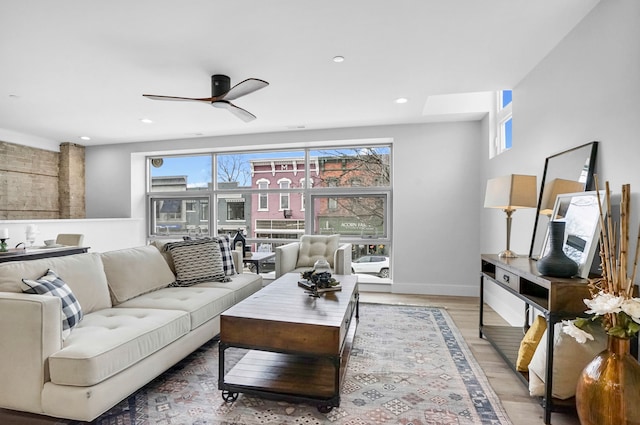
3 245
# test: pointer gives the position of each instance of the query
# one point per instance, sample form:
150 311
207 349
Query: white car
372 264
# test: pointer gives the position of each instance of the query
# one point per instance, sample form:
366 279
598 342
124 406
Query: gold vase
608 391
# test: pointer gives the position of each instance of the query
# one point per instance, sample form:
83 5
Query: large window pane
352 167
179 216
180 173
264 195
357 216
371 259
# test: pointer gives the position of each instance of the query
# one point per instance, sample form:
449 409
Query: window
235 210
275 196
263 198
504 121
175 216
204 211
284 197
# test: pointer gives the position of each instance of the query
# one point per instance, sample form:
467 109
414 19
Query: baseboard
436 289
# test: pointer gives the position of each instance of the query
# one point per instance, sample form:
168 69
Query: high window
504 121
274 197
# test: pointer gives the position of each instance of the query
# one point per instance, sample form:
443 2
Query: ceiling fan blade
243 114
244 87
180 99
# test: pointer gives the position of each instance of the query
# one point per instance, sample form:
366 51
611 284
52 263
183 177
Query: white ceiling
70 68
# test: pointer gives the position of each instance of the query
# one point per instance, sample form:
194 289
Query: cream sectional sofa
134 328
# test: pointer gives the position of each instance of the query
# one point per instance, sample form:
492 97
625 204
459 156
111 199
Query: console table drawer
507 278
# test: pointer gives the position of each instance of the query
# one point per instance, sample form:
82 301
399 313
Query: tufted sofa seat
134 327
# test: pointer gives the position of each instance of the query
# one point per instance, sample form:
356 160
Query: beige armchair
70 239
300 256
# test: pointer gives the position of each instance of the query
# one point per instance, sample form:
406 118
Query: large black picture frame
577 164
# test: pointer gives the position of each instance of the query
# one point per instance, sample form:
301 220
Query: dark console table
40 252
556 298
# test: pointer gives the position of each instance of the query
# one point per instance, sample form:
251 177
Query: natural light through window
504 121
274 197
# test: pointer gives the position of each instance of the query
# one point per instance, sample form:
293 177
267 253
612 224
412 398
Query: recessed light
85 138
338 59
402 100
146 121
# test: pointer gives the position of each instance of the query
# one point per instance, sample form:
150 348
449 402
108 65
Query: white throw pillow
569 359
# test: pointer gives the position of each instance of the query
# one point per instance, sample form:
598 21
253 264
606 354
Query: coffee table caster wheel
229 396
324 409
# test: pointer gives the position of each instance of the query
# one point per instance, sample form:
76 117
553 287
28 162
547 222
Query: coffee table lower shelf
265 372
311 379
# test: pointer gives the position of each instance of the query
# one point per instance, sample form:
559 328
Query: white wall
587 88
100 235
435 196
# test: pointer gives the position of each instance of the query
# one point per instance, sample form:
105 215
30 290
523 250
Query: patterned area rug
409 366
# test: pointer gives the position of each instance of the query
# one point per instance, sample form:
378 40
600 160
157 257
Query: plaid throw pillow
196 261
225 250
52 284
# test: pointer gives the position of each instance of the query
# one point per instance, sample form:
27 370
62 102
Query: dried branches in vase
612 295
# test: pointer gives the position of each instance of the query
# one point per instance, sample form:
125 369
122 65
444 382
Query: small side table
257 258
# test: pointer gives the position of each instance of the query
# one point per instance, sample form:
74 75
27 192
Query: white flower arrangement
612 303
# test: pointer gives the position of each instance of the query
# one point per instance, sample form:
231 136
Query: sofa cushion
160 244
83 273
52 284
201 303
196 261
316 247
135 271
111 340
242 285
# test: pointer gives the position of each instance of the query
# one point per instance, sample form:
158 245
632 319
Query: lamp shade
511 192
554 188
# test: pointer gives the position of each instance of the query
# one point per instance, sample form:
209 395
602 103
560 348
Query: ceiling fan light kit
222 94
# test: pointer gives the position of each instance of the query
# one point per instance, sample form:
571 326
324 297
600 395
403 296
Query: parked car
372 264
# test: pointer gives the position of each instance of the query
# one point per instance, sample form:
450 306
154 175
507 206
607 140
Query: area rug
409 366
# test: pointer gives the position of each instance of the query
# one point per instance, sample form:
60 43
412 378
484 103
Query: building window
263 198
204 210
504 121
284 196
235 210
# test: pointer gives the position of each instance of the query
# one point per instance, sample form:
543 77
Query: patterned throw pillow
227 258
52 284
196 261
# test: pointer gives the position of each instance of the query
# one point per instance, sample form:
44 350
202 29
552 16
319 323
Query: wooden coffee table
282 343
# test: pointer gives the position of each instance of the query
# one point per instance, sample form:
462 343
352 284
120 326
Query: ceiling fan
222 94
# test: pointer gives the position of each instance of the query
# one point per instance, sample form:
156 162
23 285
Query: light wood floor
520 407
